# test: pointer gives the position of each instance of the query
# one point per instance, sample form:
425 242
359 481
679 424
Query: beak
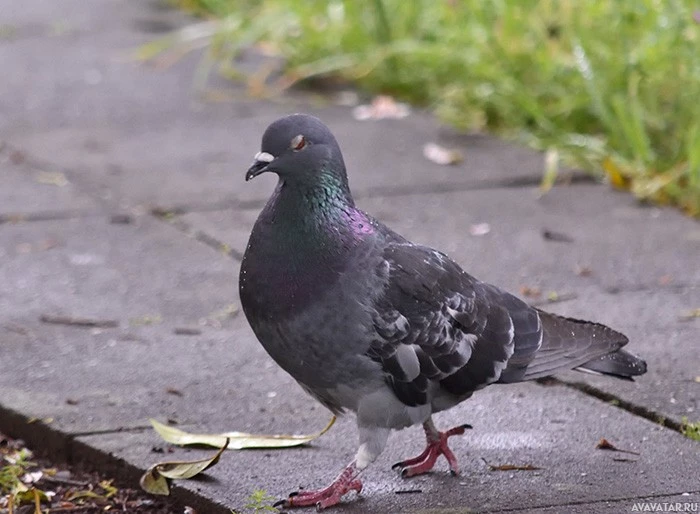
262 160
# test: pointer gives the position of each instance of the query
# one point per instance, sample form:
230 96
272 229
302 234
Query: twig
555 298
510 467
78 322
187 331
64 481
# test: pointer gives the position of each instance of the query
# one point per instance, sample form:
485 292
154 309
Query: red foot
437 445
327 497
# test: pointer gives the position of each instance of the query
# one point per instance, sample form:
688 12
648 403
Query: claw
437 445
327 497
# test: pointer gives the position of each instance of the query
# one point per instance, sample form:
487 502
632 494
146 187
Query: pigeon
369 322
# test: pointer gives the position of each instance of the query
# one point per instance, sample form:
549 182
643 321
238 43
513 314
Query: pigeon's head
300 149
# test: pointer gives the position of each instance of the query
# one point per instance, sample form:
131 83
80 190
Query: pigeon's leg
436 446
372 442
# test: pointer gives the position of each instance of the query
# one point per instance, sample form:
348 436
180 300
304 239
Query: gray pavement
92 143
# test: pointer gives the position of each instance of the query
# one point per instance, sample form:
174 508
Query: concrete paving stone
553 428
80 66
194 158
651 320
92 268
145 275
71 16
27 190
94 381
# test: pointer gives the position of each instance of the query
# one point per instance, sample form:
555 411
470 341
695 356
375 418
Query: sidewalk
123 200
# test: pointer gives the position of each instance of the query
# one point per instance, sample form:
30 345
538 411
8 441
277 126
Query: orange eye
298 143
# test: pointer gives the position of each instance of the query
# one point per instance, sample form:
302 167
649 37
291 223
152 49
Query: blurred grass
611 87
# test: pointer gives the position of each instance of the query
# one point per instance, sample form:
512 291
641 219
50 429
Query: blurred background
610 87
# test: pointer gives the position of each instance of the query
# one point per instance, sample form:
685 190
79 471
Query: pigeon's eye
297 143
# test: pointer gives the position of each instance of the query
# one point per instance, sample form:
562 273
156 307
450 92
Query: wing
436 323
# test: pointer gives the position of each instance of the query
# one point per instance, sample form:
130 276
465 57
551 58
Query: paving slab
653 322
145 276
200 158
552 428
28 191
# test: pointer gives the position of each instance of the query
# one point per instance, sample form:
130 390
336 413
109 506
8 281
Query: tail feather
620 364
569 343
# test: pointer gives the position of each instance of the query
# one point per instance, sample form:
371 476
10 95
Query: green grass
612 87
691 430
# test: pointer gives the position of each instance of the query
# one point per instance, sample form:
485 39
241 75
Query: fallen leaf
532 292
52 178
689 315
382 107
155 479
665 280
238 440
174 391
551 171
479 229
152 482
554 297
148 319
614 173
583 271
229 311
110 490
510 467
441 155
81 495
604 444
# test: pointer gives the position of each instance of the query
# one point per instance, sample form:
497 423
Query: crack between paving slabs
612 399
522 181
199 235
594 502
170 217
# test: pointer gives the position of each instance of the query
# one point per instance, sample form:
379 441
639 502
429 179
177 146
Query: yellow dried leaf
238 440
612 170
52 178
152 482
155 479
551 170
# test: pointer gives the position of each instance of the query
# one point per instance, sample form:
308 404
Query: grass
691 430
610 87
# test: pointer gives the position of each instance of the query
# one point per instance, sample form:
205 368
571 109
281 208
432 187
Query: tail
569 343
619 364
